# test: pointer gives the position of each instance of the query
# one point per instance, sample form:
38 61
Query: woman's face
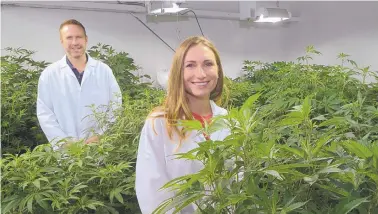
200 72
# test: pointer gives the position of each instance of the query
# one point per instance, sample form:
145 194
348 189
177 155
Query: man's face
73 40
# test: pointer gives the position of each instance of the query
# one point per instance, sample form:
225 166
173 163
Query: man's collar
70 64
90 61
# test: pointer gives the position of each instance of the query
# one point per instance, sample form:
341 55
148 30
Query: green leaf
37 183
320 144
42 202
293 207
320 117
334 189
274 174
290 166
248 104
190 125
344 207
187 201
178 202
290 121
306 108
295 151
12 202
91 206
358 149
119 197
335 121
30 204
330 169
311 180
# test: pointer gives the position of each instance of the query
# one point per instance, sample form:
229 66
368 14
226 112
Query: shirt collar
70 64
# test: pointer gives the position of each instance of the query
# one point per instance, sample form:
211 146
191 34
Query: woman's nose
200 72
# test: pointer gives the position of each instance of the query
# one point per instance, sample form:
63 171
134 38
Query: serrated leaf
190 124
41 202
311 180
14 201
119 197
248 104
293 207
274 173
296 151
345 207
187 201
330 170
333 121
91 206
320 117
358 149
334 189
37 183
30 204
320 143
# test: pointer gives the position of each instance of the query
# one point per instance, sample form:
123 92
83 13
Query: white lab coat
156 165
63 105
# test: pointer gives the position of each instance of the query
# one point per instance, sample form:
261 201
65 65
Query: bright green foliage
304 139
305 142
81 178
90 179
236 92
123 67
19 79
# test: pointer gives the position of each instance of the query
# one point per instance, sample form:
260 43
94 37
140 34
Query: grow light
272 15
165 10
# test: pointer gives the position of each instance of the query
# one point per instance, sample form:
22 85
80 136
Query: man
69 87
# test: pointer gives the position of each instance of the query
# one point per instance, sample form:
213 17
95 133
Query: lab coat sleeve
45 112
115 99
151 169
115 90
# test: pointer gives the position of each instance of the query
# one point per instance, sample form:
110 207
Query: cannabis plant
305 142
19 80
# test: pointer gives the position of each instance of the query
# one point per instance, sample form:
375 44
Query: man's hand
66 143
93 139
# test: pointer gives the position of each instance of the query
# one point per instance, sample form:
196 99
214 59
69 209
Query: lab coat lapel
217 111
65 68
89 69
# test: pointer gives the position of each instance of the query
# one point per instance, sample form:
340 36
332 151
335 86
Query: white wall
37 29
335 27
350 27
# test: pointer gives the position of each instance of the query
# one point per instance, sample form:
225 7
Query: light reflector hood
167 10
272 15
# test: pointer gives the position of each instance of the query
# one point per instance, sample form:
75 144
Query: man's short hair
72 22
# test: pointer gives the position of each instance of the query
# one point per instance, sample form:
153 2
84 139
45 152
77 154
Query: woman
194 87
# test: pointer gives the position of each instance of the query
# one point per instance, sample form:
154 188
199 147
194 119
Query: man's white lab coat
63 105
156 165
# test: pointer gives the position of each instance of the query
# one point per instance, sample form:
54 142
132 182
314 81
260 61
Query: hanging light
272 15
168 10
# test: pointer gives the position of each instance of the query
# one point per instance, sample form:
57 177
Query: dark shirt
78 75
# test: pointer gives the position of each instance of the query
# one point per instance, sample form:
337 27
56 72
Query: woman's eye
209 64
189 65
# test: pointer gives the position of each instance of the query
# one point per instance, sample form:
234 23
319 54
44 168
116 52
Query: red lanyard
202 119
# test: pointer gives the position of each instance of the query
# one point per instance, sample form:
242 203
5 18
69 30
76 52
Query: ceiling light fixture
272 15
167 10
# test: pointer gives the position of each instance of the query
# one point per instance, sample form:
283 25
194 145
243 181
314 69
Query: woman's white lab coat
156 165
63 104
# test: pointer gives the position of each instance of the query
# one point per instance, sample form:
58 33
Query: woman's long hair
176 106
